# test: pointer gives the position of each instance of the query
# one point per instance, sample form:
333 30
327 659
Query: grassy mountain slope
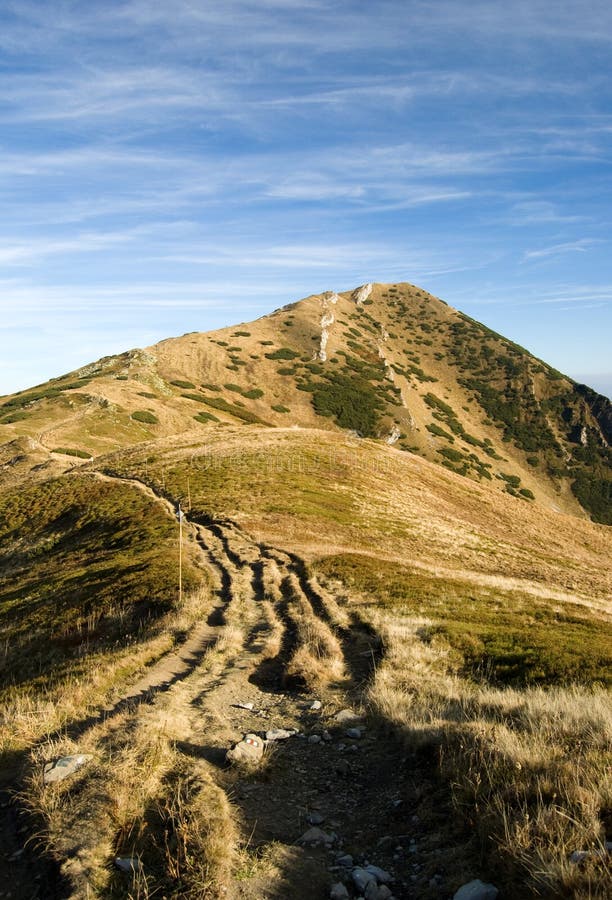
357 480
400 366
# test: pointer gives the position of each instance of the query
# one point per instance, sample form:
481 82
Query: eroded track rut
274 638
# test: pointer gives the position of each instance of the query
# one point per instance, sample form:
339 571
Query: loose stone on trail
63 767
476 890
248 751
280 734
346 716
316 836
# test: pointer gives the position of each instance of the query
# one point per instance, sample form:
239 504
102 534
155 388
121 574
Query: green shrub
183 384
282 353
17 416
439 432
143 415
147 394
71 451
241 334
525 492
253 394
233 409
352 402
204 417
279 408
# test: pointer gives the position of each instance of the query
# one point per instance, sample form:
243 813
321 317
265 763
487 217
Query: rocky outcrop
362 293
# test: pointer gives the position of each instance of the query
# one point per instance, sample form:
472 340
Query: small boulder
316 704
361 879
315 836
63 767
354 733
248 751
347 715
338 892
279 734
379 874
476 890
345 860
249 706
315 818
314 739
377 892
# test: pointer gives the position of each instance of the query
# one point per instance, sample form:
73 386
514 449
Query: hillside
418 650
391 362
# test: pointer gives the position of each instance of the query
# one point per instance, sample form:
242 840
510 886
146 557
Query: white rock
279 734
476 890
316 704
362 293
338 892
249 706
63 767
394 435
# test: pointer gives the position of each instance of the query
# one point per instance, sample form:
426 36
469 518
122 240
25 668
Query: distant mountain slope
389 362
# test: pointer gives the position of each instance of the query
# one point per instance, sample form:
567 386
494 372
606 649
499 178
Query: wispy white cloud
579 246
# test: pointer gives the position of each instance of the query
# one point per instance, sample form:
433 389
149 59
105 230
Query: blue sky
171 167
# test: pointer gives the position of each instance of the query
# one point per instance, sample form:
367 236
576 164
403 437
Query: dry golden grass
317 658
529 768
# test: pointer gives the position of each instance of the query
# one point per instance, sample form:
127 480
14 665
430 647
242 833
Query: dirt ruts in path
265 605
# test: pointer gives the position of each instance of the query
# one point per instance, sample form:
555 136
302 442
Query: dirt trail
362 791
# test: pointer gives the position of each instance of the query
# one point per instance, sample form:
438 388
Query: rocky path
328 794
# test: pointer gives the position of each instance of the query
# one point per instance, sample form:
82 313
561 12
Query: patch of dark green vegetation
286 370
439 432
211 387
144 416
352 402
279 408
72 451
17 416
505 638
186 385
42 392
282 353
253 394
233 409
205 417
147 394
241 334
564 427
